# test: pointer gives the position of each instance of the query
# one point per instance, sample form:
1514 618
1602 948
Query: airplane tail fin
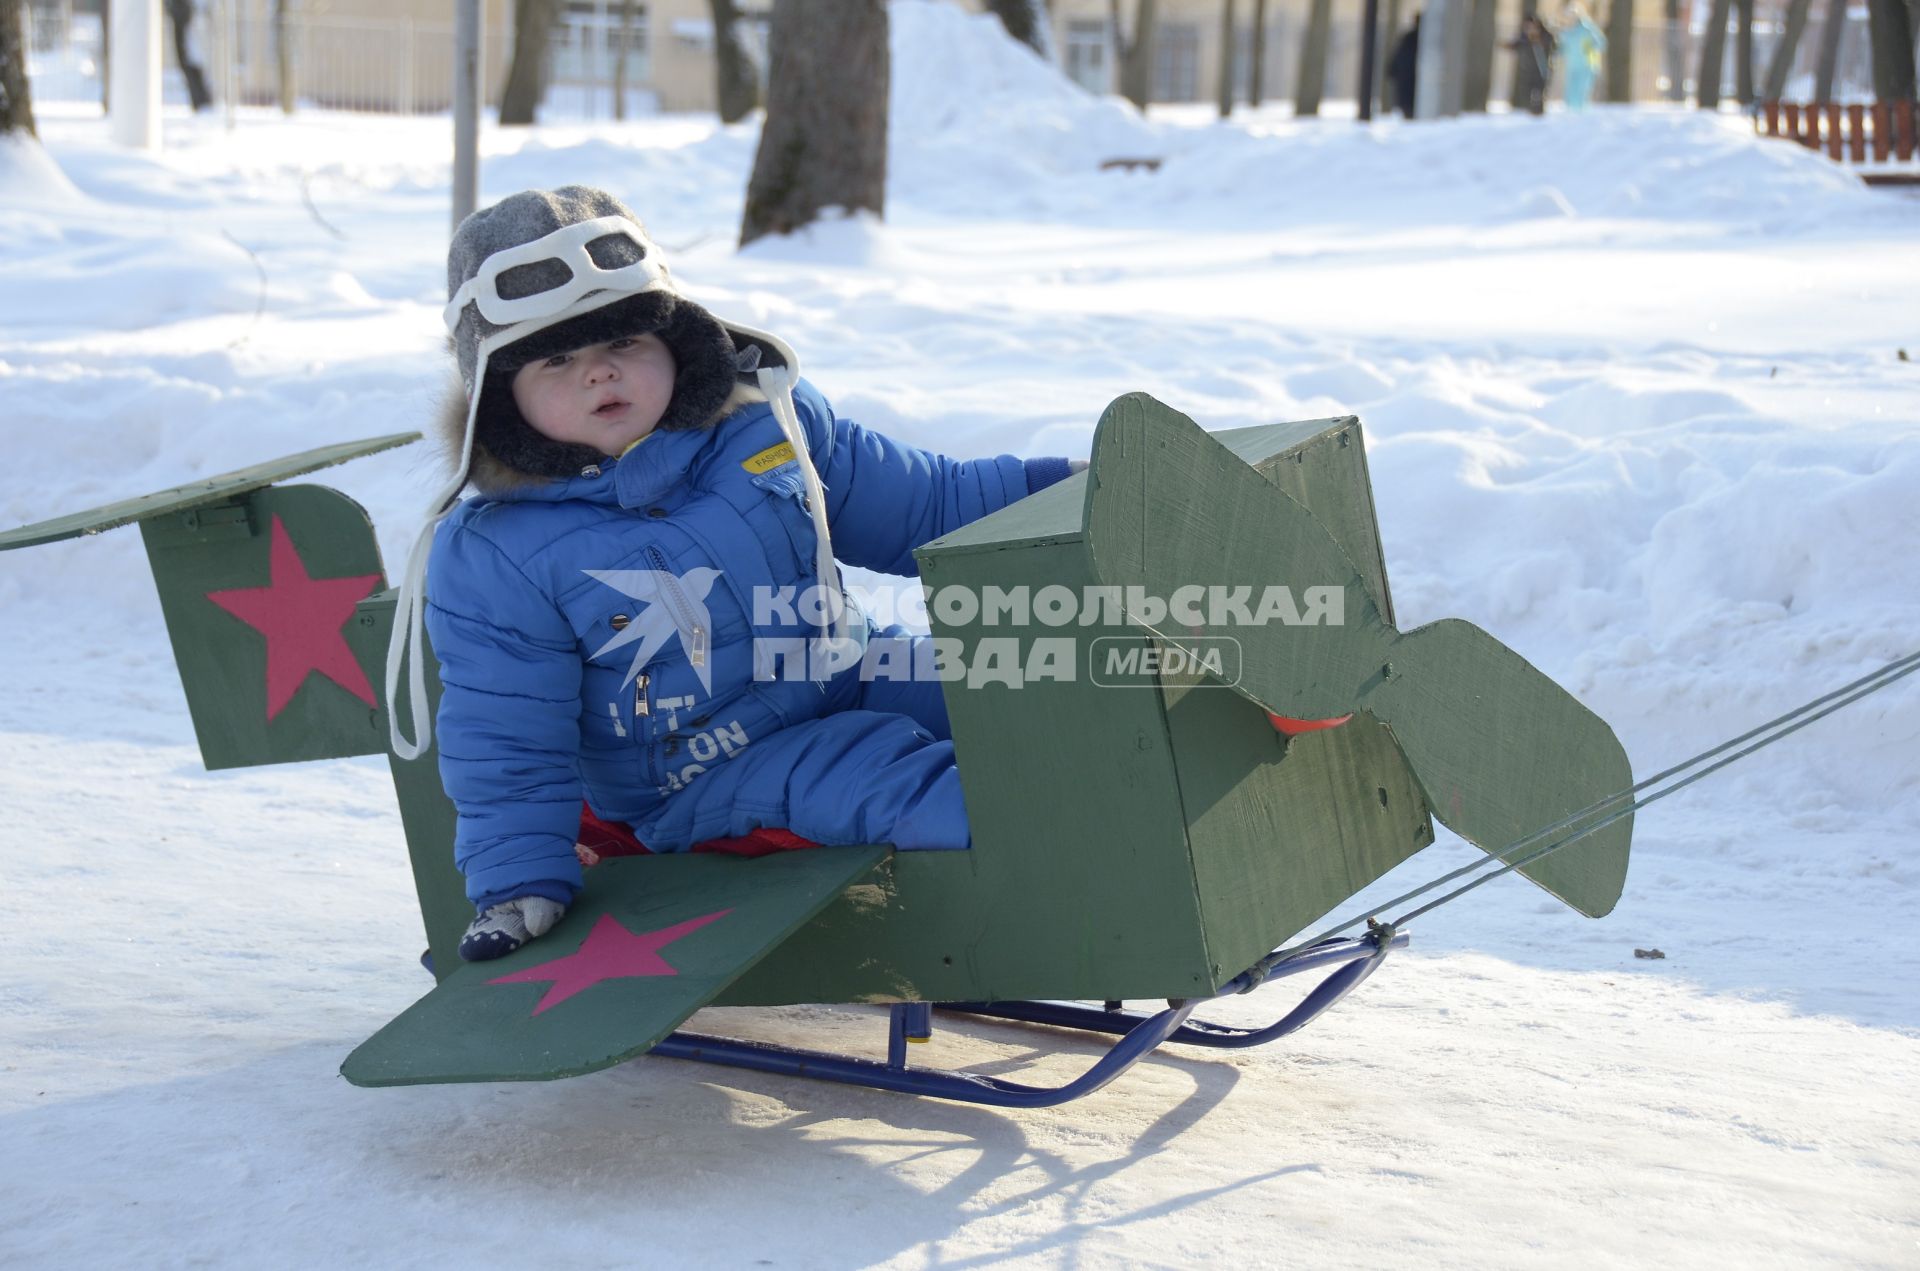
262 588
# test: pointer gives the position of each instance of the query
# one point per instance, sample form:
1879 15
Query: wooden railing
1848 133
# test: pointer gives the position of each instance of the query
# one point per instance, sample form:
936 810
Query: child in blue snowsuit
660 501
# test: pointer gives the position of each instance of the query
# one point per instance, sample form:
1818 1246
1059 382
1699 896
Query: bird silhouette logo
676 604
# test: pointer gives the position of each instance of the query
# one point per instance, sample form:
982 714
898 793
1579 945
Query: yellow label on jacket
769 459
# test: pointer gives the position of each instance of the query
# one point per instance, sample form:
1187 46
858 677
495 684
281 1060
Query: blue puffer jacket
537 714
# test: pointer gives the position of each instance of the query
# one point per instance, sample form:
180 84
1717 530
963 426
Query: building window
1087 63
585 45
1176 62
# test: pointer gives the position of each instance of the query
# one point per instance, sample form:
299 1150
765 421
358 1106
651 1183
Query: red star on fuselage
302 619
610 952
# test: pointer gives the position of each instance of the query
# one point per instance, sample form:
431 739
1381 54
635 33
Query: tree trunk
1257 56
1783 53
283 55
1025 20
622 47
16 97
1135 54
738 87
1620 51
1674 56
1830 33
527 73
1890 31
526 84
1481 37
1383 53
1743 53
1713 51
1226 59
1312 82
180 17
1517 90
824 143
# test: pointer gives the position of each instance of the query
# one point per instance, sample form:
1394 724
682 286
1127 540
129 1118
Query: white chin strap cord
835 628
410 606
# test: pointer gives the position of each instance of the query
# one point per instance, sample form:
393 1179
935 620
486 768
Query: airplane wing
649 941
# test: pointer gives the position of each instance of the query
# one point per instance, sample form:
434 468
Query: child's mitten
508 925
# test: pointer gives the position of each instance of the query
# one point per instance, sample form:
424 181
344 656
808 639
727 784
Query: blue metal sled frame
1353 959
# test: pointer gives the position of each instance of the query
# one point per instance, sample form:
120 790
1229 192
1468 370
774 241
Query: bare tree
1257 56
1620 51
1674 55
1383 54
1890 30
1743 53
825 140
1477 84
1830 33
1713 51
180 18
527 73
1312 83
623 48
283 54
1026 21
16 98
1783 52
1226 59
1135 52
738 82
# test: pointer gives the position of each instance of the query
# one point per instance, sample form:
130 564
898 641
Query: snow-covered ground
1634 402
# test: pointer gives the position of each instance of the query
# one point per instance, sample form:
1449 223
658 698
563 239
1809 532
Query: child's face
607 396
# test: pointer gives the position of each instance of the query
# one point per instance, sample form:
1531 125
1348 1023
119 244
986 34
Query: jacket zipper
691 632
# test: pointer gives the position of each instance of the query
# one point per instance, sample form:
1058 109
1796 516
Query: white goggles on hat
566 247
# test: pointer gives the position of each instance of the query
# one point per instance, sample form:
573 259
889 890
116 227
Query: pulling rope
1620 804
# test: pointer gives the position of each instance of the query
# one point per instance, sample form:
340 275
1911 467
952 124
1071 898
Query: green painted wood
1128 843
225 488
427 815
1079 882
1321 464
649 941
1283 830
1142 842
1497 748
238 549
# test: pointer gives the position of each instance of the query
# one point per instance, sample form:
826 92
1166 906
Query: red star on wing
610 952
302 618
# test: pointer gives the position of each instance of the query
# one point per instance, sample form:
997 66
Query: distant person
1581 47
1404 69
1533 64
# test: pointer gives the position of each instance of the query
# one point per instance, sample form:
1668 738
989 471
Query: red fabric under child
599 839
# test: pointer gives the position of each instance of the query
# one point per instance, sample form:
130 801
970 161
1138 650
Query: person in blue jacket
1581 46
660 502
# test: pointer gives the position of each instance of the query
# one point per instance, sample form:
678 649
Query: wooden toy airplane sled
1141 827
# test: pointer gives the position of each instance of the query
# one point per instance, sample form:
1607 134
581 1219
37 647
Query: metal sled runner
1140 1035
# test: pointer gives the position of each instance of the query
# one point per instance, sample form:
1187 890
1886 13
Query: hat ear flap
704 367
510 441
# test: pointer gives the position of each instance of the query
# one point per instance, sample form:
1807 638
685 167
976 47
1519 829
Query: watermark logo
1123 662
675 604
1187 608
